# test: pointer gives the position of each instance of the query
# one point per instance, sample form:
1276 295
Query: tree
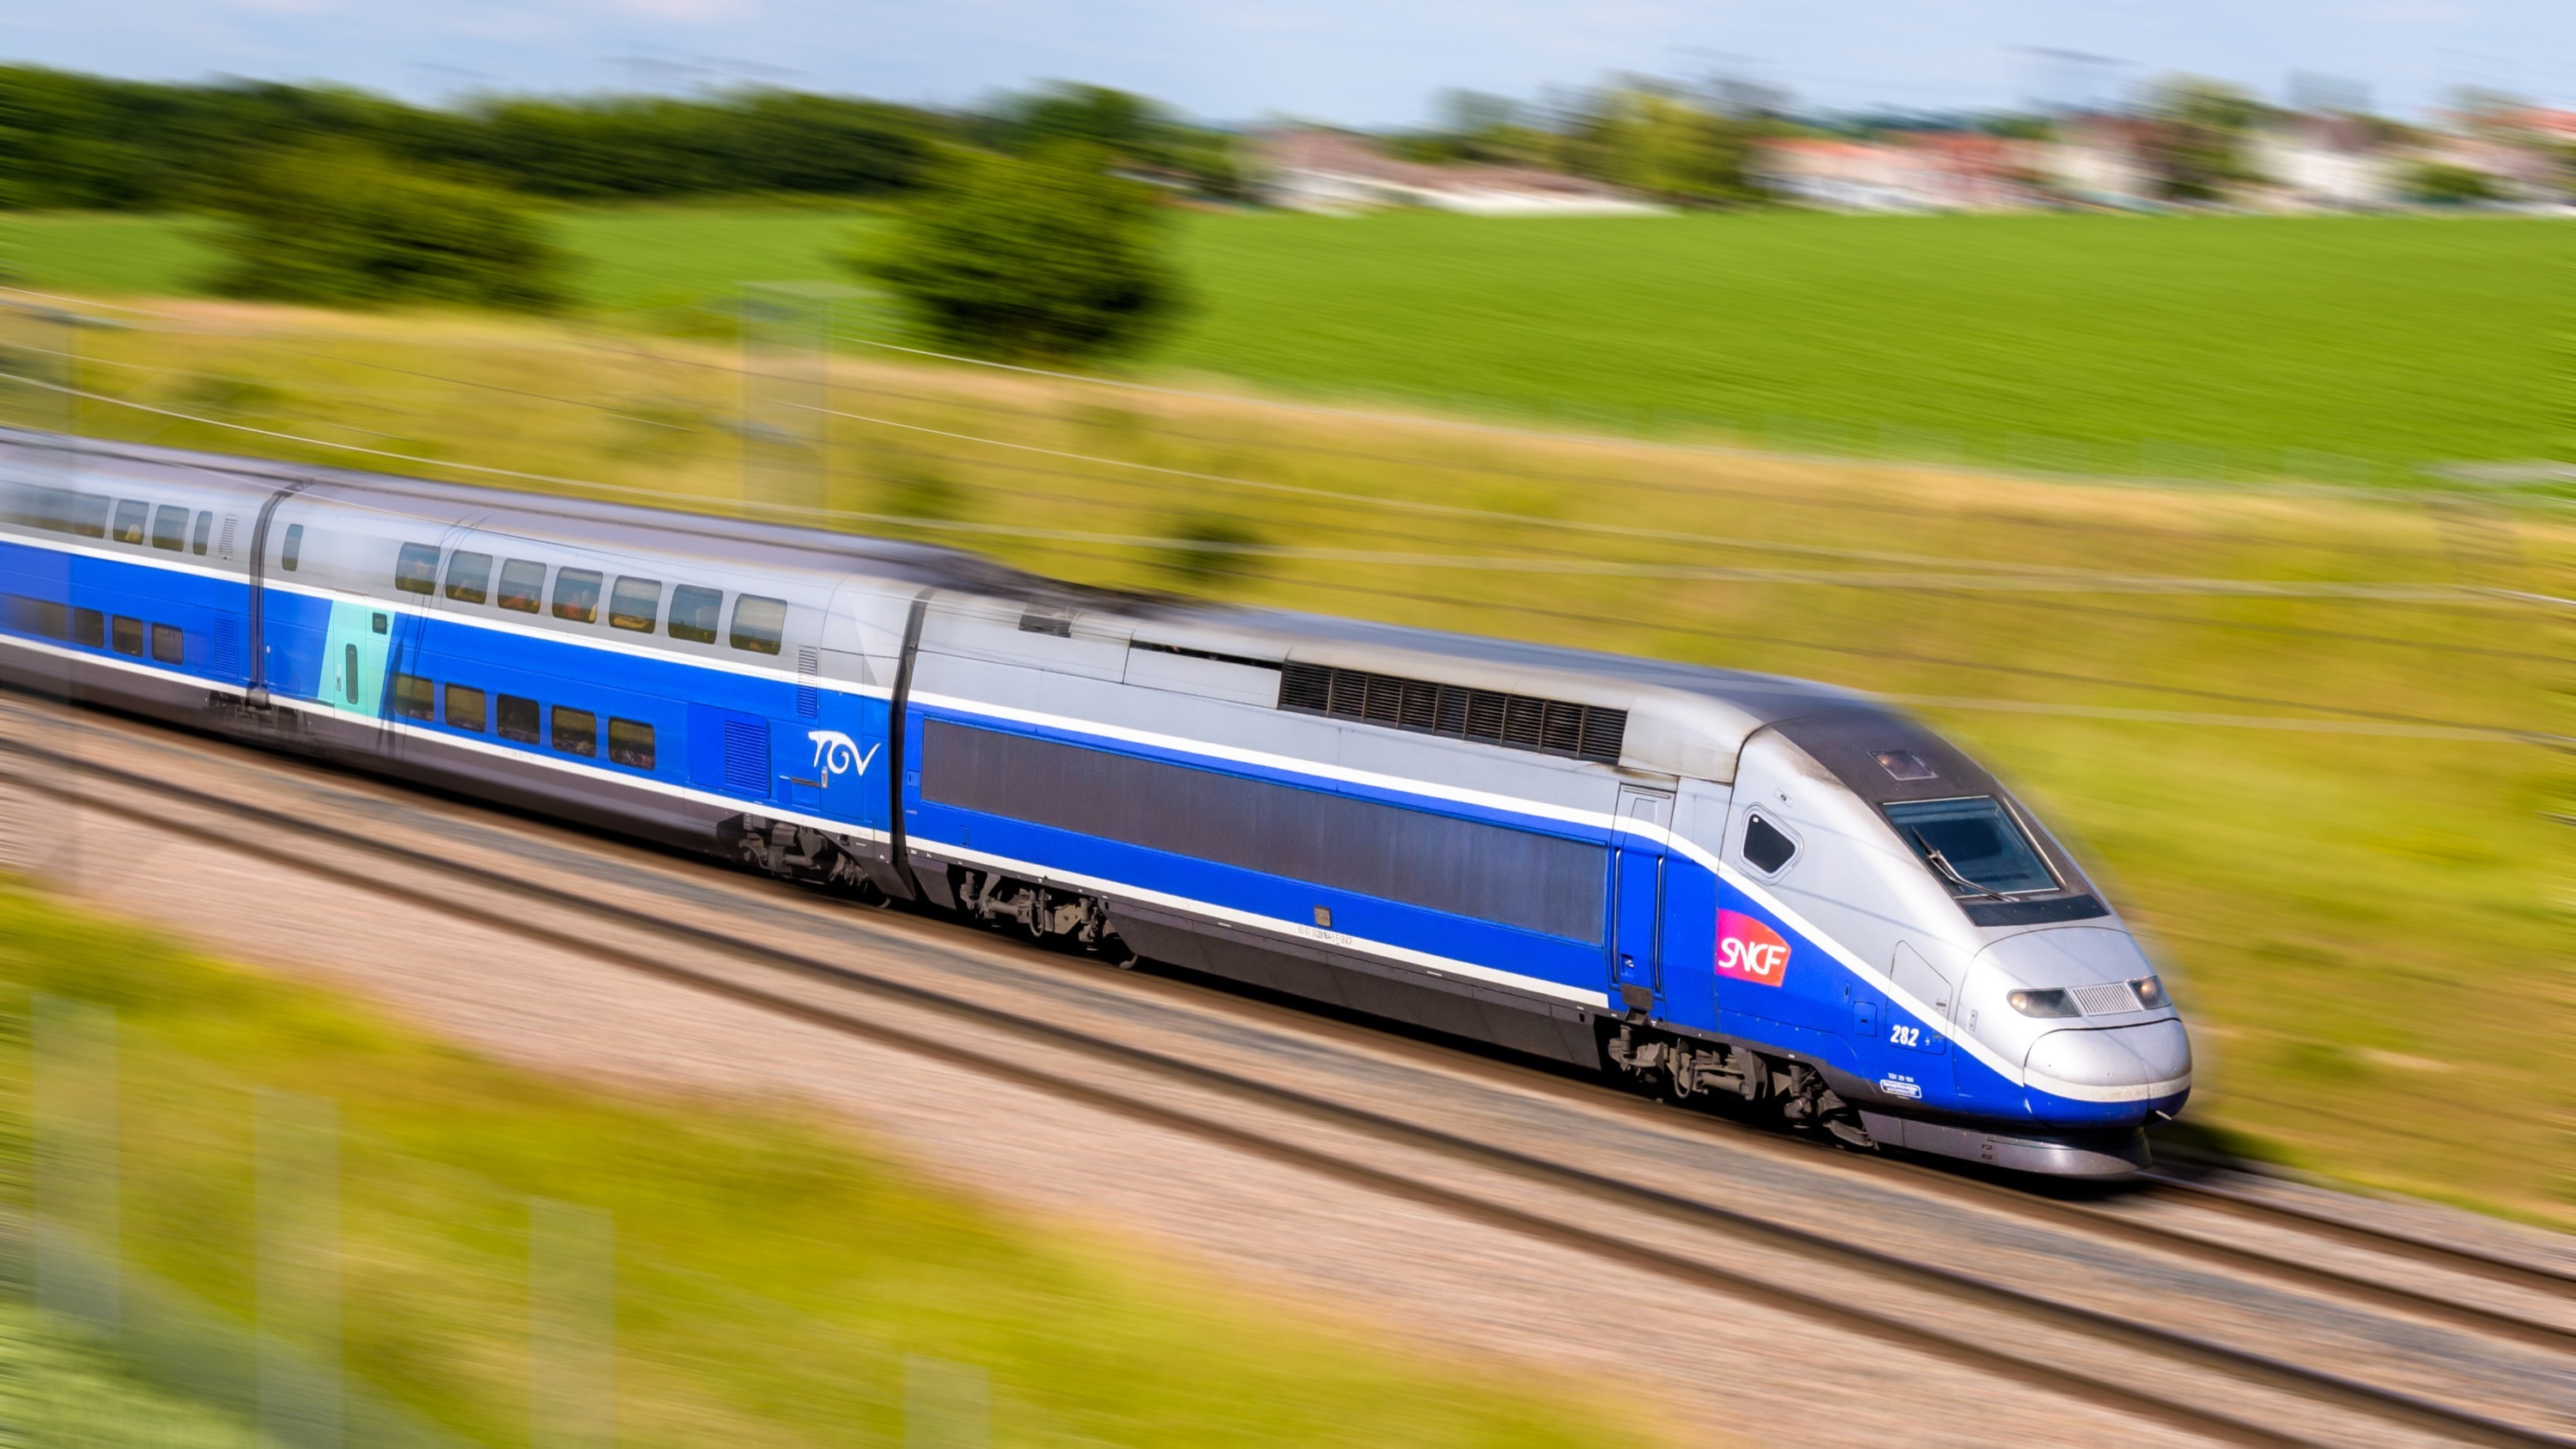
340 226
1141 137
1045 258
2440 183
1658 140
2203 130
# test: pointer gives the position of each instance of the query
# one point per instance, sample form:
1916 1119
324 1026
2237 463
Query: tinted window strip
1515 721
1514 877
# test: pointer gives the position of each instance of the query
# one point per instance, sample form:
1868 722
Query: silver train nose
2062 1002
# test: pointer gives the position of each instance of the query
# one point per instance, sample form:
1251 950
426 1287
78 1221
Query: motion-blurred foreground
2270 624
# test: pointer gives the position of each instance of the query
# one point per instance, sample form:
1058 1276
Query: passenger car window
577 595
634 604
758 623
126 636
518 721
169 646
89 627
205 525
469 576
466 709
416 570
630 742
414 697
88 516
170 528
522 585
576 731
293 554
1766 849
129 520
694 612
1974 845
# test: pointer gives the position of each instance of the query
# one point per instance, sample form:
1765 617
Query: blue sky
1364 62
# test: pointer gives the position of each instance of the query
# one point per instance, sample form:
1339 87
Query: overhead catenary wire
1367 501
2424 594
1131 541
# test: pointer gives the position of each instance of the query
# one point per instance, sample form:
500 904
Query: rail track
2199 1382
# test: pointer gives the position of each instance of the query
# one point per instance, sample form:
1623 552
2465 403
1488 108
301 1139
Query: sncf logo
1748 950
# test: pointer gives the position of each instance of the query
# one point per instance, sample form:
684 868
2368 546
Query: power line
2419 594
2465 728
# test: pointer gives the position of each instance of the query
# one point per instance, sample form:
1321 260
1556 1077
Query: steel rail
2471 1261
1719 1221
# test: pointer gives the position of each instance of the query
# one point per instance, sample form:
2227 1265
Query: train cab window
89 627
414 697
523 584
577 595
518 721
630 742
469 577
576 731
635 604
125 636
205 526
1973 844
466 709
170 528
694 612
416 570
129 521
758 623
1766 848
293 553
169 646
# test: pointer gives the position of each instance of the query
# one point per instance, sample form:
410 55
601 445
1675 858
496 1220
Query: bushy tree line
91 142
1684 144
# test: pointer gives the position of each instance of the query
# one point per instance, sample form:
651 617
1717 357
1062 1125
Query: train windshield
1974 845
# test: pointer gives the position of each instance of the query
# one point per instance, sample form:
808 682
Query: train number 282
1905 1036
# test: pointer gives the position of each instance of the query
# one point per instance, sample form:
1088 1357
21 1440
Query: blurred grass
2370 929
2321 347
774 1271
60 1390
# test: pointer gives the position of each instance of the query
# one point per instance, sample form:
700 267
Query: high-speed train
1730 885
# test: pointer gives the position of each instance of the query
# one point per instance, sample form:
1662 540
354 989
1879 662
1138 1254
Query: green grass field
2325 348
774 1274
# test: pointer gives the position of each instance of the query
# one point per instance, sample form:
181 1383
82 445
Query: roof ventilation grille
1514 721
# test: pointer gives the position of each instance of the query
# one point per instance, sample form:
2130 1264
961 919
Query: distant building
1330 171
2326 163
1910 171
2102 160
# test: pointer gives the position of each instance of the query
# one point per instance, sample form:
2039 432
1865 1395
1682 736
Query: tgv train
1728 884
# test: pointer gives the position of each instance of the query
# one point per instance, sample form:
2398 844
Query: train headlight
2042 1003
2151 992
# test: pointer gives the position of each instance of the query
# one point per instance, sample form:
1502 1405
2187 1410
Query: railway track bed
1781 1276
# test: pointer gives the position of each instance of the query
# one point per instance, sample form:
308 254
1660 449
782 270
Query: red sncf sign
1748 950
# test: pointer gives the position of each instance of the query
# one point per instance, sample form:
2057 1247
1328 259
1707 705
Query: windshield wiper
1941 863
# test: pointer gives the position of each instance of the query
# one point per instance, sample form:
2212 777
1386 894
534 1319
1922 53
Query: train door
1637 898
354 649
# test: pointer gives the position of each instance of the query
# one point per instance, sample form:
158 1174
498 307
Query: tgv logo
1748 950
837 754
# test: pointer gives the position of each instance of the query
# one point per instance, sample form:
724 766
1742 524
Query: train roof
1683 718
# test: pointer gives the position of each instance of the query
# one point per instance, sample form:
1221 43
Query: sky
1354 62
